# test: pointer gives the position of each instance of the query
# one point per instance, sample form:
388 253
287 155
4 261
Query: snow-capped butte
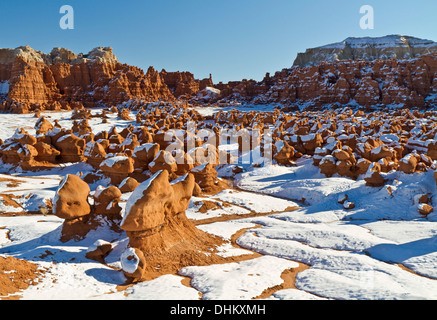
367 48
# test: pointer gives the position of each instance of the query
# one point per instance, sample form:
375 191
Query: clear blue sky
232 39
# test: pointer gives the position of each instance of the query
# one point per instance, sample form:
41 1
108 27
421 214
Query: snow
196 203
112 161
343 274
238 281
97 244
129 261
168 287
256 202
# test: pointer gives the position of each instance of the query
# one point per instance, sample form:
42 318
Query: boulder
71 147
408 164
373 176
117 168
71 199
128 185
99 250
425 209
106 202
206 177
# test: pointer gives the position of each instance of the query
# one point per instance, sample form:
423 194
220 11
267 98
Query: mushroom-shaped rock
71 147
207 153
373 176
71 199
163 161
382 152
311 142
117 168
22 137
408 164
285 153
95 154
184 162
363 166
328 166
42 126
15 153
344 167
341 155
131 141
145 154
144 207
156 224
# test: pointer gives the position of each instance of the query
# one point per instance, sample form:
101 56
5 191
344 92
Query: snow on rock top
129 260
137 194
367 48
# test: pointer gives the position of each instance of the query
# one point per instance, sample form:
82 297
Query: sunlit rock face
367 48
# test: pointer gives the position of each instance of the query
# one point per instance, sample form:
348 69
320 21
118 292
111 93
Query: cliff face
64 78
368 49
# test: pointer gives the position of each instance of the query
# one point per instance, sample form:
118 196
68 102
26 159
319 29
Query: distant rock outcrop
184 84
367 48
410 83
62 80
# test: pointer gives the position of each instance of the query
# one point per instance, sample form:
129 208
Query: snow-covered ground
285 217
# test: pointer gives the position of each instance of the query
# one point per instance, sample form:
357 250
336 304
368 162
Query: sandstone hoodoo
117 168
160 233
106 202
71 201
71 204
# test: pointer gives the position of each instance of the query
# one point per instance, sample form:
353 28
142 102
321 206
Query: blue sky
231 39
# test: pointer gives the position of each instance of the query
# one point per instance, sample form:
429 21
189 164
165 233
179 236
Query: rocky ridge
357 83
62 80
366 73
367 48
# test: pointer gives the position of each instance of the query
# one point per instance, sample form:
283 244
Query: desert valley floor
290 234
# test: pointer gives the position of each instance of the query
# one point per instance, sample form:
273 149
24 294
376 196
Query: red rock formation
106 202
380 83
71 200
160 233
52 81
184 83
